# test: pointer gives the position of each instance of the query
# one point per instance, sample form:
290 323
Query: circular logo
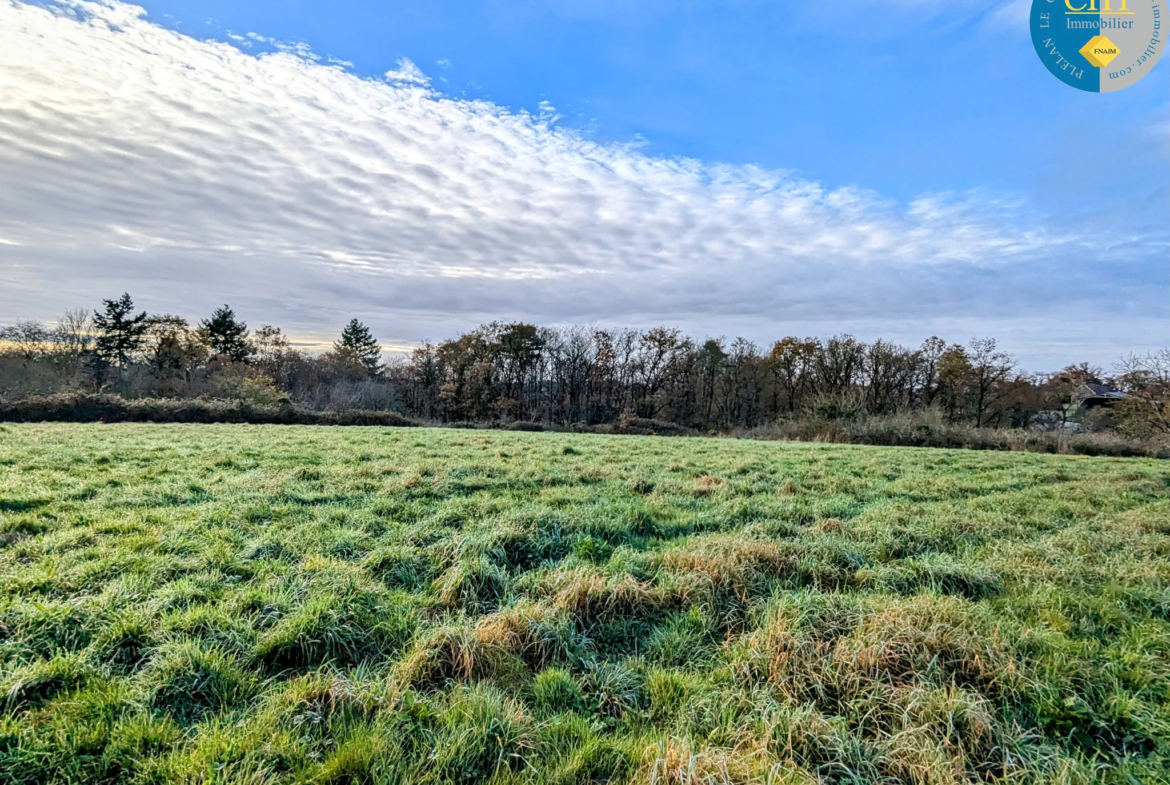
1099 45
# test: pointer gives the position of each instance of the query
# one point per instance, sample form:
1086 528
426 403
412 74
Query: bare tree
889 372
74 334
991 369
1146 380
930 354
29 339
790 362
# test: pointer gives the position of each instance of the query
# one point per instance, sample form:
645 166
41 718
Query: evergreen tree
227 336
119 332
359 344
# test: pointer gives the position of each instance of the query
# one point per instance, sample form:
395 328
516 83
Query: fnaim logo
1099 45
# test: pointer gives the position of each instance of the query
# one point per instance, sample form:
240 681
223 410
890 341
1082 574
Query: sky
735 167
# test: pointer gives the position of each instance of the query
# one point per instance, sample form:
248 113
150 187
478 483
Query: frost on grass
282 605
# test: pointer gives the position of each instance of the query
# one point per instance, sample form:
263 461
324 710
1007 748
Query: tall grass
240 604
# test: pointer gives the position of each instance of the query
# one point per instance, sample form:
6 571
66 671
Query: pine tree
358 343
227 336
119 333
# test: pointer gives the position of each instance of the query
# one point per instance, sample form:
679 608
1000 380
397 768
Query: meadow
271 604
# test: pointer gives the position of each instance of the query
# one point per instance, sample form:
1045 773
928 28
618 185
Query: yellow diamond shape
1100 51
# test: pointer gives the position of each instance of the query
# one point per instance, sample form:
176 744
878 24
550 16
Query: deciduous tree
29 339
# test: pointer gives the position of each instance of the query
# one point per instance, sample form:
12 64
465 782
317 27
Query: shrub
641 426
527 427
113 408
928 430
239 382
835 408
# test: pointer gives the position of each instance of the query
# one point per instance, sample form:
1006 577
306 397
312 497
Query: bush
642 426
530 427
928 430
238 382
113 408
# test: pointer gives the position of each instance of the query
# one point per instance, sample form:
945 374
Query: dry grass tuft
920 642
448 654
591 596
536 633
729 562
828 526
709 484
679 761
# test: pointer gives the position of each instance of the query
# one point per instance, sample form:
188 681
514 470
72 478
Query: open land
268 604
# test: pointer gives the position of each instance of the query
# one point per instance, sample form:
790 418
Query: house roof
1099 393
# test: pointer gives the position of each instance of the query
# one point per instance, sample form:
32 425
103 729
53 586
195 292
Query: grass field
243 604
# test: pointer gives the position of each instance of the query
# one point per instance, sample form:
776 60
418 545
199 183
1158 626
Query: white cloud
408 73
190 172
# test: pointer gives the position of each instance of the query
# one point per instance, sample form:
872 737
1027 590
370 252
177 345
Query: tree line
518 372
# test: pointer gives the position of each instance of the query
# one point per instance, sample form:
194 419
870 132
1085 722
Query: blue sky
903 96
742 167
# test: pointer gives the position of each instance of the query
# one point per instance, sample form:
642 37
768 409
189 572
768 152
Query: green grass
262 605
